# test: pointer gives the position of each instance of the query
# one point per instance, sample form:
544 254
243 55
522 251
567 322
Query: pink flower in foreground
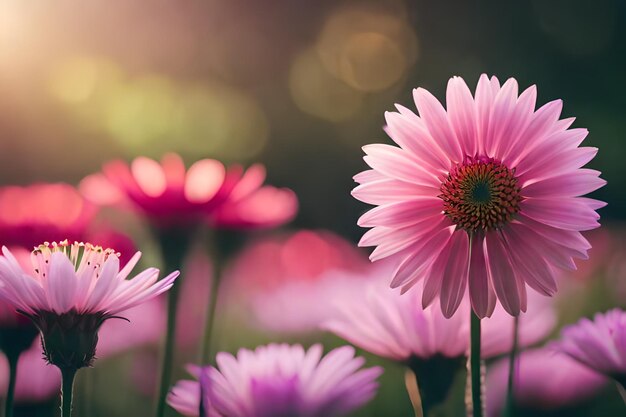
284 381
36 380
544 380
487 192
170 195
75 288
382 321
599 344
284 278
42 212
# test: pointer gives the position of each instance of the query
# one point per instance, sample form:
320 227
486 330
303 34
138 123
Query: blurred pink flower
599 344
379 320
170 195
370 315
283 380
24 222
544 380
489 172
36 380
284 278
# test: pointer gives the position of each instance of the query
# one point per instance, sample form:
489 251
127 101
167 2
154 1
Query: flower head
170 195
382 321
283 381
71 291
23 222
599 344
487 193
544 380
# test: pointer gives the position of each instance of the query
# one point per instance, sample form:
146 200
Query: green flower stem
174 244
209 321
510 397
67 375
12 358
475 366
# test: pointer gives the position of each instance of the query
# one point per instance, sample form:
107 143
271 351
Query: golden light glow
316 92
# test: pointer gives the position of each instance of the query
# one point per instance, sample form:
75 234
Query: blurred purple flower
599 344
282 381
544 379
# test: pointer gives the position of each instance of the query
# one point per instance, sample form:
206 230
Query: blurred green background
297 85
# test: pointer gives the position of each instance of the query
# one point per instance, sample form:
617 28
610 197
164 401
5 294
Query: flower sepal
69 339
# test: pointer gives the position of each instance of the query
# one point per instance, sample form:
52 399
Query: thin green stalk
8 405
209 322
475 366
174 244
67 375
510 397
168 354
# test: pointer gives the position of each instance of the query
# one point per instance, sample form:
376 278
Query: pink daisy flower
375 318
544 380
73 289
487 192
170 195
283 381
599 344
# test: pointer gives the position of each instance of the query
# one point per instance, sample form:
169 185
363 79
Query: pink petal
204 179
481 292
454 279
149 176
502 275
462 114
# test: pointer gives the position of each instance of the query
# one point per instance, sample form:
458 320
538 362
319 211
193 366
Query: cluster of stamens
480 194
82 255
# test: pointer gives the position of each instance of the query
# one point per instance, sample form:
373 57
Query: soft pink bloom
284 278
282 381
599 344
42 212
370 315
379 320
487 192
81 278
36 380
544 380
171 195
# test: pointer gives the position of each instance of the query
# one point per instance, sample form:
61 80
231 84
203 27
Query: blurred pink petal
36 380
24 222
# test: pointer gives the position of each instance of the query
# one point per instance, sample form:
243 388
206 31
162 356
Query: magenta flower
170 195
599 344
75 288
544 380
286 381
487 192
23 222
